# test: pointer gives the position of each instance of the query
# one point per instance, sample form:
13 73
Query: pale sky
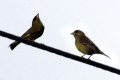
98 19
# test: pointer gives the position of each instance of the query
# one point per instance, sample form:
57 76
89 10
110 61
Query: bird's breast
80 47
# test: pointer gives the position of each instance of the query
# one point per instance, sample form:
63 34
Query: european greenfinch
85 45
33 33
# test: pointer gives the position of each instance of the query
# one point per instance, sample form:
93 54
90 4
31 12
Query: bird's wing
89 44
30 32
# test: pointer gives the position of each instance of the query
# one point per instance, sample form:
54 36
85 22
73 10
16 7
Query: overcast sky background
100 20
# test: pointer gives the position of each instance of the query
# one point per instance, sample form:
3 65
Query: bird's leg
89 57
83 56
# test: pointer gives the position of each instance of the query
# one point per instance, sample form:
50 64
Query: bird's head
36 20
78 33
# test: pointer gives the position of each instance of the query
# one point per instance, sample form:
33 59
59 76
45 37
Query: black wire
60 52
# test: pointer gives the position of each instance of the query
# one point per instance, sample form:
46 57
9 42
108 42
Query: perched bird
85 45
33 33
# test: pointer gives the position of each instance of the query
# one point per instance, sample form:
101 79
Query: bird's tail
104 54
13 45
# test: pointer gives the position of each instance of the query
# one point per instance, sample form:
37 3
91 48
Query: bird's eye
77 34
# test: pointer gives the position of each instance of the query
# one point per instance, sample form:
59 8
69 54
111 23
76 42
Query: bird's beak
72 33
37 16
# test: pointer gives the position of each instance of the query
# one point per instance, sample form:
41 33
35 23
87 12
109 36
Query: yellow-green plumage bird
33 33
85 45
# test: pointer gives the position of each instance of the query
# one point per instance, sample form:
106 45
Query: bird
85 45
32 33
